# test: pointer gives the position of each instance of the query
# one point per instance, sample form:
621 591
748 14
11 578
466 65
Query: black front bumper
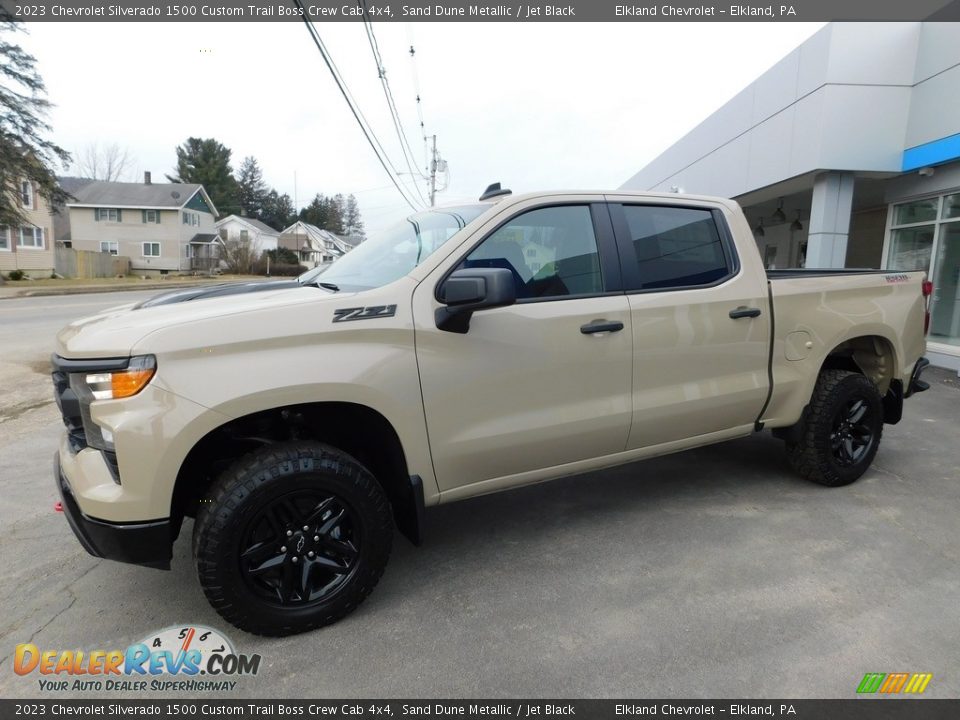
149 544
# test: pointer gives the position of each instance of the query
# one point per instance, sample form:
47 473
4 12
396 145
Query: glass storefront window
916 211
925 235
945 303
910 248
951 206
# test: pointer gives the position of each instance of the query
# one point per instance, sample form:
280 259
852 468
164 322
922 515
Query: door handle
599 326
744 312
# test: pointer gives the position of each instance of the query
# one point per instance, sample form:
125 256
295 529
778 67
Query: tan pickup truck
468 350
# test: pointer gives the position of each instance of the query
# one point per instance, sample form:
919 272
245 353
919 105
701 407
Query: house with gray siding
163 228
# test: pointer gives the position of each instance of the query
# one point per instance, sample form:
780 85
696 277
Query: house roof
72 184
252 222
204 238
97 193
316 238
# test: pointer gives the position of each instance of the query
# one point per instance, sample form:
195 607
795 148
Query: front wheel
842 429
293 537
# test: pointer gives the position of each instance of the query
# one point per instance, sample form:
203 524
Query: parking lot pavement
709 573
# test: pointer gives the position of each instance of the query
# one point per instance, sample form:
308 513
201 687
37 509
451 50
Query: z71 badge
364 313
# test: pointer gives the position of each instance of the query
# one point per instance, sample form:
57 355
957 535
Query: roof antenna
494 190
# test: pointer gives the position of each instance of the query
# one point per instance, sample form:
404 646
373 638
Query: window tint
675 247
552 252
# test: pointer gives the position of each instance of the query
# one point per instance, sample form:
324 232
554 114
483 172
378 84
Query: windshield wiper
326 285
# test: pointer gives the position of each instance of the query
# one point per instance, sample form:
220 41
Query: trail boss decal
364 313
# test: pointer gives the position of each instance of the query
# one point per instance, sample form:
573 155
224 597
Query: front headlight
124 383
109 385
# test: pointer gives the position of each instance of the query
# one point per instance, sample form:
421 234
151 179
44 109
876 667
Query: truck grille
76 413
69 406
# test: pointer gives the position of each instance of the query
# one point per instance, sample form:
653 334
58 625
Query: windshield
396 251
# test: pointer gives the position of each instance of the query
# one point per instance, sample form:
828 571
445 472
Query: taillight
927 288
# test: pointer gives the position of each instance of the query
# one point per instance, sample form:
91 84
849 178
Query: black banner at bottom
265 709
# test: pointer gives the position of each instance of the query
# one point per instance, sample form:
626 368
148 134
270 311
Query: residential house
313 246
262 236
162 227
29 247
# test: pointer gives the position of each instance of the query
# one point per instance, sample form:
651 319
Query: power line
391 104
364 126
416 89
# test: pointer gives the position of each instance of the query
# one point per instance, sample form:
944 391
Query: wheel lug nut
316 538
294 558
305 528
289 533
283 548
310 554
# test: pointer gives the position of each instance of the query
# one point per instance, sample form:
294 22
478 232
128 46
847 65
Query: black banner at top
472 11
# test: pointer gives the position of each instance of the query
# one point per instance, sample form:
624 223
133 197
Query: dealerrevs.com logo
894 683
183 658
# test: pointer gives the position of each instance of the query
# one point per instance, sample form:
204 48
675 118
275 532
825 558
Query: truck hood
211 291
114 332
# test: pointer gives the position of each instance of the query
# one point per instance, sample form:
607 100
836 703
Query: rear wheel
842 429
293 537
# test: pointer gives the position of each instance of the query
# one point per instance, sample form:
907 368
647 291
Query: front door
533 385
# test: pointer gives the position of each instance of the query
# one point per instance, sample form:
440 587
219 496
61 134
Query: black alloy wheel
300 548
852 434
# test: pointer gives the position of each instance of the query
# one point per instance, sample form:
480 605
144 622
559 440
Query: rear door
533 385
701 323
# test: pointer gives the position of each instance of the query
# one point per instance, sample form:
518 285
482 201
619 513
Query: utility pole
433 172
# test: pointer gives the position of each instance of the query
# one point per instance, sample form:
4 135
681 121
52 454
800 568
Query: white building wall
807 113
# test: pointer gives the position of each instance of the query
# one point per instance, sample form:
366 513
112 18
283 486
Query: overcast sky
534 105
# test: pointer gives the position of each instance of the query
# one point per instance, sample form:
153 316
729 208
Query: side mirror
469 290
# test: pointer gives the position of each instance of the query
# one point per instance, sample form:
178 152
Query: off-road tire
273 475
814 456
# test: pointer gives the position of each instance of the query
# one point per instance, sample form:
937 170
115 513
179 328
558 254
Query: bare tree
109 163
240 253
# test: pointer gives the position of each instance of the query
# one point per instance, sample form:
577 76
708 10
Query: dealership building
846 153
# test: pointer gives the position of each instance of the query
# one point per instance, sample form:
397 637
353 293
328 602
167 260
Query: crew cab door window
551 252
675 247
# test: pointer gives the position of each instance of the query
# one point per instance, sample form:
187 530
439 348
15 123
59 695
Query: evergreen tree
352 224
25 152
337 206
278 210
317 212
206 161
251 189
338 214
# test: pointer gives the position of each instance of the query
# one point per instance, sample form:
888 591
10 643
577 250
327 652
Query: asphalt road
709 573
28 327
